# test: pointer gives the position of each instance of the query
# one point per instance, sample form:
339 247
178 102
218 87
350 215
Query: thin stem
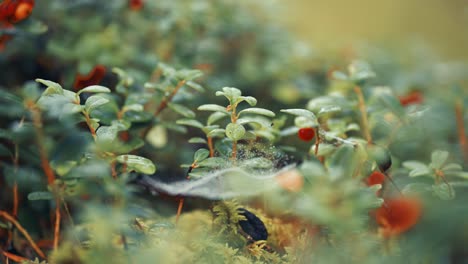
168 99
58 217
70 218
23 231
234 151
15 184
441 175
179 209
462 138
233 120
37 122
362 109
90 126
113 170
210 146
15 258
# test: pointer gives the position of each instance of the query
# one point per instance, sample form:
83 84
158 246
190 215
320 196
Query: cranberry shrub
123 138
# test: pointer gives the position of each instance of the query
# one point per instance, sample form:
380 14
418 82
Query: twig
179 209
317 142
23 231
15 184
14 257
362 109
210 146
462 138
57 223
90 126
168 99
37 122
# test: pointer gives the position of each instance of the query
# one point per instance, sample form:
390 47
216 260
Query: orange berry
23 10
292 181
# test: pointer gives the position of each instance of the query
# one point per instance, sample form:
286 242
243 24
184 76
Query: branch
23 231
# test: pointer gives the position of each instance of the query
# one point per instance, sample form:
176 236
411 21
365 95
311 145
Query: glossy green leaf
137 164
217 132
252 101
438 158
95 101
214 117
197 87
212 162
182 110
34 196
94 89
52 87
235 131
212 107
300 112
133 107
197 140
257 111
190 122
201 154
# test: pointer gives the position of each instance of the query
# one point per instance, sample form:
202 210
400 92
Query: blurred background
332 24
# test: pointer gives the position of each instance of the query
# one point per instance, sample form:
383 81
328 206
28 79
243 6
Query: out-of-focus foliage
93 155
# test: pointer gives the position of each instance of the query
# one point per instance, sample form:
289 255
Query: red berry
398 215
414 97
306 134
375 178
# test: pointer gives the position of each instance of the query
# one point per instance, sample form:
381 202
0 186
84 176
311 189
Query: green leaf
443 191
95 101
360 71
328 110
438 158
261 122
392 103
197 87
302 122
250 100
4 95
212 162
301 112
200 155
52 87
420 172
416 188
231 93
190 122
215 117
249 135
137 163
188 75
197 140
257 111
106 134
217 132
412 165
34 196
339 75
460 174
133 107
235 131
182 110
213 107
94 89
452 167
